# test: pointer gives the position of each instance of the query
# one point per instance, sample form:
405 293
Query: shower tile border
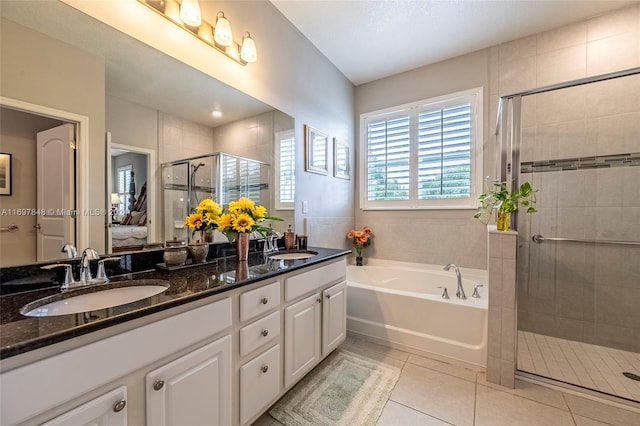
581 163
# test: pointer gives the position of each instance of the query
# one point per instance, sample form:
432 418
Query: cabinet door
259 383
302 338
109 409
334 317
192 390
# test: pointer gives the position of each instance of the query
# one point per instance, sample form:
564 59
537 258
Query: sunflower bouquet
243 216
205 216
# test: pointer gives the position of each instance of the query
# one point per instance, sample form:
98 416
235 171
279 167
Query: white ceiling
372 39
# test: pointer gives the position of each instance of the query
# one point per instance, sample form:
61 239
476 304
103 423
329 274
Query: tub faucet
85 271
460 293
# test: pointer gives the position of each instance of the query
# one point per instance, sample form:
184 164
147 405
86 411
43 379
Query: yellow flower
194 221
240 205
260 212
209 206
243 223
223 221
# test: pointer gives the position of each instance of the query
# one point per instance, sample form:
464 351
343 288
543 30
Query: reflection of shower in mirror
194 192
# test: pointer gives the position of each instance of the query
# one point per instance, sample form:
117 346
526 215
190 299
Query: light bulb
222 32
248 52
190 13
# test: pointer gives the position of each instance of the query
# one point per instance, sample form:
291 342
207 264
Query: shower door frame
508 140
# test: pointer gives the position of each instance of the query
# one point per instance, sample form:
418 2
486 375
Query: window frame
472 96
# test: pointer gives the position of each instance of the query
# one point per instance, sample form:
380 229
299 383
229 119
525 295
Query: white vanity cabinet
302 337
109 409
194 389
316 324
260 375
63 384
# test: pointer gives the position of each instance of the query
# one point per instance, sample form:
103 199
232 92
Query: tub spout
460 293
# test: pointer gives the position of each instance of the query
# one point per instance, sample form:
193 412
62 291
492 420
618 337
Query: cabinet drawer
256 302
259 383
307 282
259 333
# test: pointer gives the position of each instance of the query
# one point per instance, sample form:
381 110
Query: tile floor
583 364
431 392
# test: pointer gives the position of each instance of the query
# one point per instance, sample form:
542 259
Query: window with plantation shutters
241 178
285 167
423 155
124 183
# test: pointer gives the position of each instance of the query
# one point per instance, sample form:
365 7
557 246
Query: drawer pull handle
264 368
265 332
264 300
119 406
328 296
158 384
319 300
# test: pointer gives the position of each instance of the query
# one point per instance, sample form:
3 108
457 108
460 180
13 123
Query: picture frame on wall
341 160
5 173
316 146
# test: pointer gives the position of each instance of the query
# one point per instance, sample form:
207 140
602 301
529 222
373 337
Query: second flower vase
242 246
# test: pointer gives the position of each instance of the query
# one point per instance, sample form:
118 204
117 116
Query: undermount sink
293 256
92 299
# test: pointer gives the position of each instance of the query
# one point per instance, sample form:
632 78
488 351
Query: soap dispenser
289 239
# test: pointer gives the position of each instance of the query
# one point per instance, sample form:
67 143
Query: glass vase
206 235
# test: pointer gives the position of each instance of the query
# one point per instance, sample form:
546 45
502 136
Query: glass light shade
222 32
115 198
190 13
248 51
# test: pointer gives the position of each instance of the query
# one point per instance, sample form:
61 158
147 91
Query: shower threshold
584 365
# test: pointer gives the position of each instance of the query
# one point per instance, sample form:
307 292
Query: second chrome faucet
460 293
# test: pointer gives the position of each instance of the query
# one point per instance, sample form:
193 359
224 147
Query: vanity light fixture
190 13
218 36
248 51
222 32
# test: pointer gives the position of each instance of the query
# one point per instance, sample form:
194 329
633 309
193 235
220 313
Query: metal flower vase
242 246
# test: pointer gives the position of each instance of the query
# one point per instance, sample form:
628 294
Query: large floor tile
366 348
585 421
443 367
395 414
530 391
495 407
602 412
437 394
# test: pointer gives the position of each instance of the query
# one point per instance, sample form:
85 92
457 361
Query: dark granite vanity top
20 334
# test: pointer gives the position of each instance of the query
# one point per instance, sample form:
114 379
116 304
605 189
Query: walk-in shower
578 271
219 176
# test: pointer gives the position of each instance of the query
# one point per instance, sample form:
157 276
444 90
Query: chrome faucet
85 271
70 250
69 281
460 293
271 242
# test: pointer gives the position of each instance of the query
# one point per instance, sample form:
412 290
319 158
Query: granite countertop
20 334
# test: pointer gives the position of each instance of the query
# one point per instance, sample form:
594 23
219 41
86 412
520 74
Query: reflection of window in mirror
124 182
285 165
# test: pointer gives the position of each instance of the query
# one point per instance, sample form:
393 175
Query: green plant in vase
505 202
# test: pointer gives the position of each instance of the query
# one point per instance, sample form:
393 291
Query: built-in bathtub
400 304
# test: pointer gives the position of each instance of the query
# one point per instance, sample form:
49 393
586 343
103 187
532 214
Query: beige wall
607 43
427 236
56 75
18 137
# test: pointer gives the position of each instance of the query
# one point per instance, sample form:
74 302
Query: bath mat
344 389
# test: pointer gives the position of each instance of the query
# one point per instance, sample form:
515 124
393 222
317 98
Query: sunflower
260 212
243 223
194 221
223 221
243 204
209 206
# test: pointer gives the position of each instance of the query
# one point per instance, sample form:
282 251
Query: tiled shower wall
585 142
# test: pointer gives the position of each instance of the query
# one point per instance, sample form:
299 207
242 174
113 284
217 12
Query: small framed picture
316 150
5 173
341 160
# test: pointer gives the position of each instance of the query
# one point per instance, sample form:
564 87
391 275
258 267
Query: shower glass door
579 255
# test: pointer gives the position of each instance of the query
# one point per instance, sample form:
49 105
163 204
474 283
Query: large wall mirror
157 110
